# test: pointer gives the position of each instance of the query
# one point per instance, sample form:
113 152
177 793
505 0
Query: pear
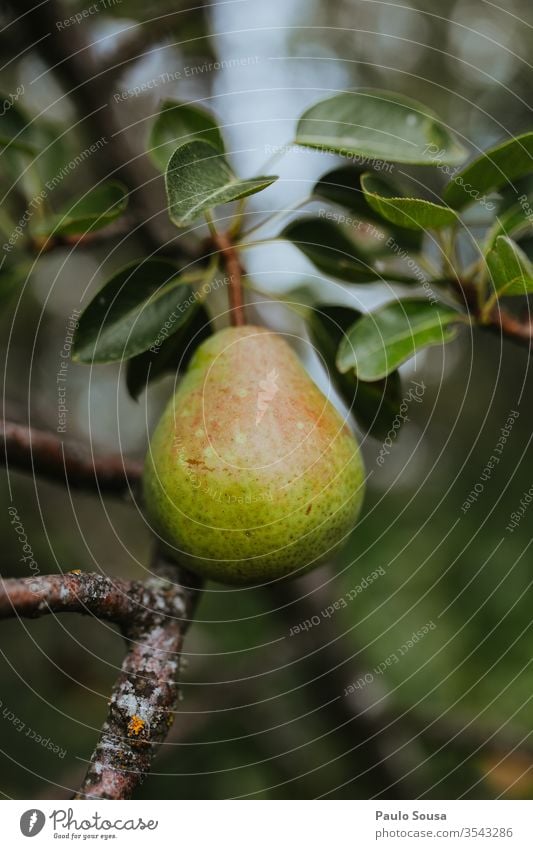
252 474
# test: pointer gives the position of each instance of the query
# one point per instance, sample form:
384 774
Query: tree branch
153 616
77 592
42 453
145 695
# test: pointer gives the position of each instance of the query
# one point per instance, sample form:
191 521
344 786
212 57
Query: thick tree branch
78 592
153 615
45 454
144 697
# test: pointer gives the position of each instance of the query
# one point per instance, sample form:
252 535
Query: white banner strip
268 824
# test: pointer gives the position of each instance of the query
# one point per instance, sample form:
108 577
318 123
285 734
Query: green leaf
139 307
511 221
383 340
178 123
174 354
494 168
198 178
342 186
327 246
374 405
510 268
413 213
98 208
16 131
378 125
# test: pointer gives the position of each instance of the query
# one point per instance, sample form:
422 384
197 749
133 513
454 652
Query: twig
233 267
68 54
42 453
501 321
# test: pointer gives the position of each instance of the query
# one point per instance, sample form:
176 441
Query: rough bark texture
153 616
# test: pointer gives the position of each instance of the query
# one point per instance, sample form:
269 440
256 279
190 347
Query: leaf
374 405
494 168
199 178
174 354
512 221
326 245
97 209
378 125
413 213
138 307
16 129
383 340
510 268
178 123
342 186
334 253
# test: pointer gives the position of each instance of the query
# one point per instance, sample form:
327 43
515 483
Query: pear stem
232 264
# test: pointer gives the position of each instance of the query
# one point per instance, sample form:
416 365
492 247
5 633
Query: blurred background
266 713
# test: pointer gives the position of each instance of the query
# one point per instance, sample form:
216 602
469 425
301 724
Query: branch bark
153 616
45 454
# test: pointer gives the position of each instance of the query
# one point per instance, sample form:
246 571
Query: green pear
251 474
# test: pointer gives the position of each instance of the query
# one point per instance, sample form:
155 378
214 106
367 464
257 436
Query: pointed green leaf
172 356
510 268
511 221
494 168
139 307
381 341
178 123
198 178
374 405
327 246
342 186
97 209
331 250
378 125
413 213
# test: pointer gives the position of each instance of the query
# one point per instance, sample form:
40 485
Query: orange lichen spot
75 571
135 726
